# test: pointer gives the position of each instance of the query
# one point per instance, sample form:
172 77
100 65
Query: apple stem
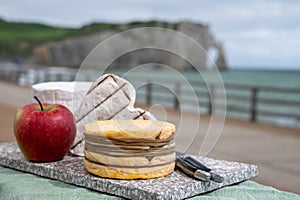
35 97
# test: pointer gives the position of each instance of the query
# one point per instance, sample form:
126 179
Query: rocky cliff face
73 51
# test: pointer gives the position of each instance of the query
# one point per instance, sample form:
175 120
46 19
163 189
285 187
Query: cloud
264 47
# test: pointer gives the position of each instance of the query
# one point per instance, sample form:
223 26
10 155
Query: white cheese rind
69 94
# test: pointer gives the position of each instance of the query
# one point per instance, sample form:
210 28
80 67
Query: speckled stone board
174 186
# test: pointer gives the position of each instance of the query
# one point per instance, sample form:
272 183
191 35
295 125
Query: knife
192 171
195 168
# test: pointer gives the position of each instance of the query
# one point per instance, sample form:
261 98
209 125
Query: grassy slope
19 39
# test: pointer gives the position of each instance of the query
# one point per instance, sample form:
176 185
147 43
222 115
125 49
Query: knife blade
198 165
192 171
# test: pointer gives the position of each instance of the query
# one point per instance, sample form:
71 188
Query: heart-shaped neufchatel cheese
109 97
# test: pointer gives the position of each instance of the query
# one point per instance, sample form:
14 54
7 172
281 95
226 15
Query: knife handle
195 163
192 171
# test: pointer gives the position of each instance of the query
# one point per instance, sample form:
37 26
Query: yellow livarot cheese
126 129
129 173
129 149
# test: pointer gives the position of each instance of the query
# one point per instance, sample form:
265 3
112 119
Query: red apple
44 132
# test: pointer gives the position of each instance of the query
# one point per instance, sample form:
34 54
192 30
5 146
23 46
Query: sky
255 34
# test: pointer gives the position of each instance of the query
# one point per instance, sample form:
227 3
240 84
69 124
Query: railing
256 100
31 74
254 103
278 105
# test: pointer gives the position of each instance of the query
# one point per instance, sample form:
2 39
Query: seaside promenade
275 150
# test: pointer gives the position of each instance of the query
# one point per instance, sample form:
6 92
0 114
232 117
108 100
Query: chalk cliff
71 52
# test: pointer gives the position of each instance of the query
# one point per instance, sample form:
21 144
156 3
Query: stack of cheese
129 149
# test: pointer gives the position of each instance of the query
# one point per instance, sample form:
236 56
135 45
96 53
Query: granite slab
175 186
